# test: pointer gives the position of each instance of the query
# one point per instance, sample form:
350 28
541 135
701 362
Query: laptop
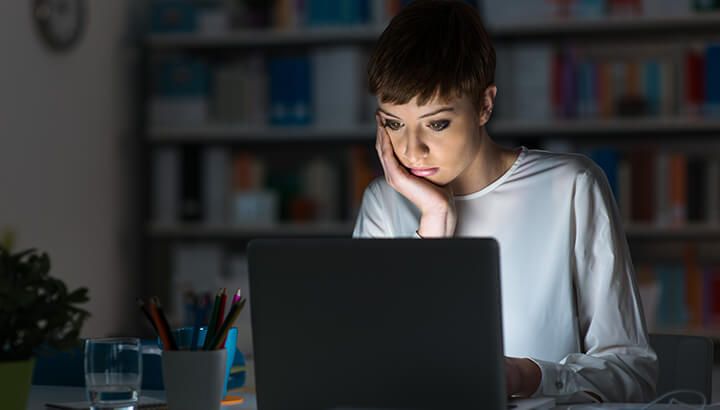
376 324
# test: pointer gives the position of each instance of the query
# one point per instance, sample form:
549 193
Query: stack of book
216 186
680 296
666 189
323 87
601 82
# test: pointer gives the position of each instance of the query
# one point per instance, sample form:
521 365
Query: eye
439 125
392 124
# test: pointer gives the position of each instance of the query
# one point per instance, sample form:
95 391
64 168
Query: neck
491 161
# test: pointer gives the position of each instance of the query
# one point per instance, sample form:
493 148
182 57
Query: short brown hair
432 48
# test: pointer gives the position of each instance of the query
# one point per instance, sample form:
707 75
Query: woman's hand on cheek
435 203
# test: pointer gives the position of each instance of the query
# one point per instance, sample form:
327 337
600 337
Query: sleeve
618 364
371 219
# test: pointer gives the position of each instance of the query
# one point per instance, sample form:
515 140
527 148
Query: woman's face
437 141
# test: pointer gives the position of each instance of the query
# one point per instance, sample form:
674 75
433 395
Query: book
215 184
191 200
694 81
712 81
697 189
678 189
532 90
165 184
337 89
713 190
180 91
643 186
661 204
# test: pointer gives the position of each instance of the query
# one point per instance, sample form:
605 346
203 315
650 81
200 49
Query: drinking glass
113 372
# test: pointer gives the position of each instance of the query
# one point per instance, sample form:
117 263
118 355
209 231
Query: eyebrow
430 114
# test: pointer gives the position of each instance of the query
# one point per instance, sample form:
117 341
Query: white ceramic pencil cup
194 379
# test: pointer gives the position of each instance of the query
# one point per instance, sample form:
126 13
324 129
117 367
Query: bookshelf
664 131
597 27
499 129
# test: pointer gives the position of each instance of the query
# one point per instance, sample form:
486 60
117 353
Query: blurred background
144 143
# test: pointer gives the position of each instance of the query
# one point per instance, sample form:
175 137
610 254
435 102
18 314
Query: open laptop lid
376 323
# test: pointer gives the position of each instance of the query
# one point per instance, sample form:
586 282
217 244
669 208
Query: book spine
191 206
678 189
643 186
712 81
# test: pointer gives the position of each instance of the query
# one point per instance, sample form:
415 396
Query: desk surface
39 395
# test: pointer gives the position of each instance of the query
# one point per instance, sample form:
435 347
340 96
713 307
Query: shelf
596 28
267 37
689 232
499 129
711 332
617 127
249 231
239 133
600 27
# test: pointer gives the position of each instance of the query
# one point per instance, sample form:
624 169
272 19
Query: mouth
424 172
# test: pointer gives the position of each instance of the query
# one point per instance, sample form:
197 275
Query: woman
572 318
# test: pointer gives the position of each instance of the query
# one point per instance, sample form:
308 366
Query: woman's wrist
436 224
531 377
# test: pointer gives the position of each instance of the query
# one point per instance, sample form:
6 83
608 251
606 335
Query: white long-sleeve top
569 298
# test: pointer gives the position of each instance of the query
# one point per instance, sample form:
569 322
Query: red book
694 81
642 182
693 287
711 317
678 189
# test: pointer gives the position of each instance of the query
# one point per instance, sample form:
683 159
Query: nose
414 149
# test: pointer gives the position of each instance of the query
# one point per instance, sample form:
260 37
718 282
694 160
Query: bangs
432 49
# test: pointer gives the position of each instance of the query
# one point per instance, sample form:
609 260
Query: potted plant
36 311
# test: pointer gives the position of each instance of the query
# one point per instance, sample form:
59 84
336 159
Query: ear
487 104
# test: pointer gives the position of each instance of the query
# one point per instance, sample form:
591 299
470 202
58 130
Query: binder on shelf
290 91
181 89
165 184
191 200
337 88
712 79
216 184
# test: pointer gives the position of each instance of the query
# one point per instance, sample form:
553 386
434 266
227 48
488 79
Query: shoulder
569 167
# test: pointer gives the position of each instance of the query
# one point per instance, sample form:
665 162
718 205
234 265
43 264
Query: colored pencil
210 333
221 311
227 324
162 326
145 311
197 322
237 296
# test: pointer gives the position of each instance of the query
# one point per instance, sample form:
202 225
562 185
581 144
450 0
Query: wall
65 125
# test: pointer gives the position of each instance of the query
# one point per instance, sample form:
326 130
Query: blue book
672 309
299 96
652 86
712 79
278 110
182 77
608 159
